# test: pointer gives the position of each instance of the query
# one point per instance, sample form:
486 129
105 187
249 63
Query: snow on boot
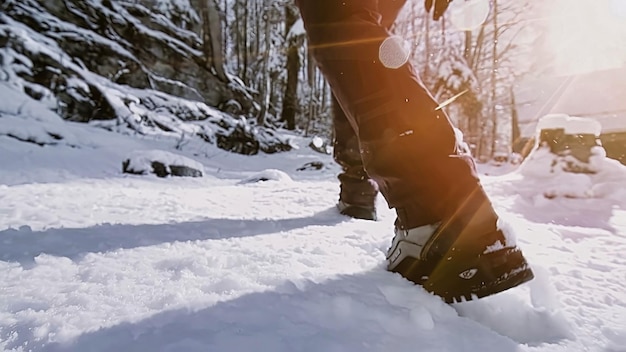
463 258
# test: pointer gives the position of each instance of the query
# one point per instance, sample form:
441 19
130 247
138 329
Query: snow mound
550 174
162 164
268 175
525 323
568 161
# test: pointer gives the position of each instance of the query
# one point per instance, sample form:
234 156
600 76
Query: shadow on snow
370 311
23 246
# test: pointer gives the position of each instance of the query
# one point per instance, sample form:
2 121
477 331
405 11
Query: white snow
95 260
297 30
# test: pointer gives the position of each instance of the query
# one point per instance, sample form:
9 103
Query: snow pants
406 144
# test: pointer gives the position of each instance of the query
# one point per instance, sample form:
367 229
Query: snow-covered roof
600 94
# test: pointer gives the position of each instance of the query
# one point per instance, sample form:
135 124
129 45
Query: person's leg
408 147
357 196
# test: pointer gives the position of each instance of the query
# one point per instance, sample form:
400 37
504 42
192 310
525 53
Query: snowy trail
140 263
174 277
318 273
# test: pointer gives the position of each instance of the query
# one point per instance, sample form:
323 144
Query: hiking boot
357 211
461 259
357 197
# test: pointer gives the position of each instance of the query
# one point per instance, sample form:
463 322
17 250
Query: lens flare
469 14
393 52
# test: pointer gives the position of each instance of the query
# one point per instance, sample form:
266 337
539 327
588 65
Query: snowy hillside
95 260
120 66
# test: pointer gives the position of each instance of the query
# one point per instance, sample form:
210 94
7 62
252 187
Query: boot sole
464 276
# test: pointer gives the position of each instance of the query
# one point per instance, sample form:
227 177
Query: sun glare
469 14
586 35
618 8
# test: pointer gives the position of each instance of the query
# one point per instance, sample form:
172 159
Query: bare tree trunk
311 69
324 103
245 48
238 40
225 28
467 48
266 82
494 76
474 59
212 38
290 99
310 113
258 14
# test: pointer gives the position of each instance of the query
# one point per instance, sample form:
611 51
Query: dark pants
357 188
407 146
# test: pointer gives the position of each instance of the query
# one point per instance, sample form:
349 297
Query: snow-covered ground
95 260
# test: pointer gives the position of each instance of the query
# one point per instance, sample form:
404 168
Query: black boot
461 258
357 197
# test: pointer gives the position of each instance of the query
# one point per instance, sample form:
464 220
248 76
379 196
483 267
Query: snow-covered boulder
267 175
240 137
552 177
569 162
566 143
162 164
312 165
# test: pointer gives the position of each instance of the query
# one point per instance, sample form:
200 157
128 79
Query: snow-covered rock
268 175
564 164
312 165
566 143
566 176
162 164
240 137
